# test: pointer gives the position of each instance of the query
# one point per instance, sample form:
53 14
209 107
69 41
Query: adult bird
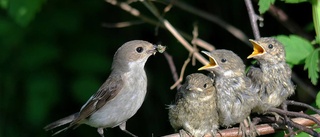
120 96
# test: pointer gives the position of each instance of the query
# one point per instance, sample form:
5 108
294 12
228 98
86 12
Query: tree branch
225 25
134 12
253 19
262 129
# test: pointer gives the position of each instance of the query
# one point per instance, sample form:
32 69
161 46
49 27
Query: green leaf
264 5
304 134
312 64
316 18
23 11
4 4
318 100
297 48
295 1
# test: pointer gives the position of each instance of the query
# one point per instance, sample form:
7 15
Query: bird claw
252 129
183 133
276 115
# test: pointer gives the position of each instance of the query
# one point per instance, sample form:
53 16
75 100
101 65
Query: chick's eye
223 60
205 85
139 49
270 46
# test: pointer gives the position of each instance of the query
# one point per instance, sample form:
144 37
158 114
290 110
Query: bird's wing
110 88
254 73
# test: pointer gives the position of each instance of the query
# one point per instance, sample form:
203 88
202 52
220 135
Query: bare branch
262 129
172 66
225 25
122 24
134 12
253 19
186 62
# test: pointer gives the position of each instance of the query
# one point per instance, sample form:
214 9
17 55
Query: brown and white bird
235 97
120 96
195 108
272 78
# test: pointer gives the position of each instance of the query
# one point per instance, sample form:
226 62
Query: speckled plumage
195 108
234 91
272 78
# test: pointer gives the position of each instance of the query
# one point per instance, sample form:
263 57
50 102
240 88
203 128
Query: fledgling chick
235 97
195 107
272 78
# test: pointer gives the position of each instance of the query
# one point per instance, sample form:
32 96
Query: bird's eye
223 60
139 49
205 85
270 46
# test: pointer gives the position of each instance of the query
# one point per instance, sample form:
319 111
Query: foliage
55 54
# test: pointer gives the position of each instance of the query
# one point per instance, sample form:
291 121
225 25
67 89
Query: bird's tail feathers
61 122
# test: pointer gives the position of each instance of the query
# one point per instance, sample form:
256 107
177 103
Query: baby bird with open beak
235 96
272 78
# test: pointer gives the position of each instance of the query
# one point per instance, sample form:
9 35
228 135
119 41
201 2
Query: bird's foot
100 131
123 128
242 129
183 133
252 129
276 115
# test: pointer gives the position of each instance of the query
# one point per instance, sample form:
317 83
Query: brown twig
181 74
253 19
262 129
225 25
122 24
134 12
172 67
294 114
291 102
175 33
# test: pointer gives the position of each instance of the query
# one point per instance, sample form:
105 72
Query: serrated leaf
264 5
312 64
23 11
295 1
297 48
318 100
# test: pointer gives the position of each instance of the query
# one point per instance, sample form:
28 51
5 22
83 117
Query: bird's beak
153 50
193 88
212 63
257 49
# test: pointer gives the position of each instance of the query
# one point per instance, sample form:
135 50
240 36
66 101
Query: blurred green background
55 57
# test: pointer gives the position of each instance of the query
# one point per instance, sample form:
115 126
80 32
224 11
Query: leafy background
54 54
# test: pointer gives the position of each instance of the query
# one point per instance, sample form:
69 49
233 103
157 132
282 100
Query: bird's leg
287 120
123 128
100 131
242 128
253 130
183 133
